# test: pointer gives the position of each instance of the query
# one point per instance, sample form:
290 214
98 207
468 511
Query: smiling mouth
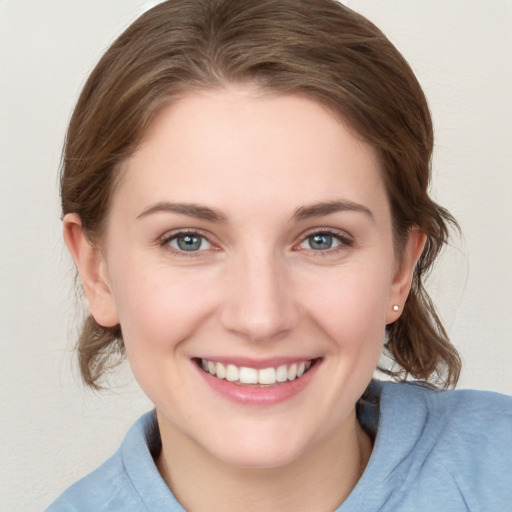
244 375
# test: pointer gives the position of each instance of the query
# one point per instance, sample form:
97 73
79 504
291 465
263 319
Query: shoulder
459 441
461 416
120 483
463 411
474 429
106 488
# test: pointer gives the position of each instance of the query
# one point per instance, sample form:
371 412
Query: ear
92 269
402 279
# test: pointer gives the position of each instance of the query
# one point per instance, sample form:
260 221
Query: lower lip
259 395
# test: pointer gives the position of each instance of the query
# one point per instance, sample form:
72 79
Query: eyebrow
212 215
188 209
326 208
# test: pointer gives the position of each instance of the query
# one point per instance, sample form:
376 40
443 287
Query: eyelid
175 233
345 239
338 233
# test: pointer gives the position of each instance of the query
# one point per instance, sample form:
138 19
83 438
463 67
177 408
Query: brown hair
316 48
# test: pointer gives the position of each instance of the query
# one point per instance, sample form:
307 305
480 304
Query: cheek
158 314
157 309
352 305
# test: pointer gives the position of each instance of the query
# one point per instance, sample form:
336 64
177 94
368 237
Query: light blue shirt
435 451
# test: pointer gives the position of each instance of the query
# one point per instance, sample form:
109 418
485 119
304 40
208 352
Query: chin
261 449
255 458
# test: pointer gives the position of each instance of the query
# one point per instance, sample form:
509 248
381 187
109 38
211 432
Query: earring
396 307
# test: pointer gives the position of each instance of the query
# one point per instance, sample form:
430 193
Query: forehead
242 141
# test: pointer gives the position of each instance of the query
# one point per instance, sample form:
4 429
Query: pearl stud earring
396 307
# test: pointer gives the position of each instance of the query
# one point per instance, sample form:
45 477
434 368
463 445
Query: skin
256 289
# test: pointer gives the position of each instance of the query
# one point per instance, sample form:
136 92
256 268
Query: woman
244 192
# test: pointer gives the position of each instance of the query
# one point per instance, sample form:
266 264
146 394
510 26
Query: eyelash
343 240
166 240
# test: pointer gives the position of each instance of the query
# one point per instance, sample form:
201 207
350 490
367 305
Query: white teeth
248 375
264 376
220 370
292 372
282 373
267 376
231 373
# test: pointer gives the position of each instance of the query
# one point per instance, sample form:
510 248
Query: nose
259 302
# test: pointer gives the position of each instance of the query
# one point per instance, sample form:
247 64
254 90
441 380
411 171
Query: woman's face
250 235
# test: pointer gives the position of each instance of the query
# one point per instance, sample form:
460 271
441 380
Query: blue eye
320 242
324 241
189 242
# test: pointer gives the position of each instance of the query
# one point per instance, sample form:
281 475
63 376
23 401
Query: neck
320 479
